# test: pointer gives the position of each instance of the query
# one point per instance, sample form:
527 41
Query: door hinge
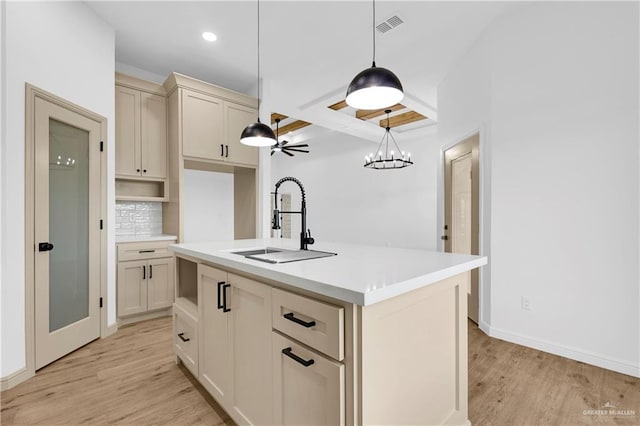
101 302
101 146
101 224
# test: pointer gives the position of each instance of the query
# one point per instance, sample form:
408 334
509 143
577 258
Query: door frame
484 216
33 92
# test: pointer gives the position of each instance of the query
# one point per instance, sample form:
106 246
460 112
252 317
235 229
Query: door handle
150 271
184 339
306 362
144 272
45 246
227 154
298 321
224 298
444 237
221 150
220 284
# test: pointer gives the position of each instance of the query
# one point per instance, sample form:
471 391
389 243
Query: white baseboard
110 330
563 351
14 379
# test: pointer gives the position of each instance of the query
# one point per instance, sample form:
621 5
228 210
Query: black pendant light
375 87
258 134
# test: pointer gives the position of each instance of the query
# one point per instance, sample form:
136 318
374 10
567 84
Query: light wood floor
131 378
128 378
513 385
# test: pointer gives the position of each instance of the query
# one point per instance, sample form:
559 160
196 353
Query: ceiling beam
275 116
400 119
292 127
339 105
366 114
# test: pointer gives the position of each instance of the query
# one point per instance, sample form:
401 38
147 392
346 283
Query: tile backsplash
138 218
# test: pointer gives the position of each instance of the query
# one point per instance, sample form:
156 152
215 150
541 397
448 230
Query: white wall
63 48
348 203
555 85
208 206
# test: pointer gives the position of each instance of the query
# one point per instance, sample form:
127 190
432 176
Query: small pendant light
258 134
375 87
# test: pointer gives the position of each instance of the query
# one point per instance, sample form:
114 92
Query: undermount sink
277 255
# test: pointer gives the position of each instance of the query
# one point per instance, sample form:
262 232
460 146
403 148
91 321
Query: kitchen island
373 335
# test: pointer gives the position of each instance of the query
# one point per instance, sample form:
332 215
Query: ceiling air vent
389 24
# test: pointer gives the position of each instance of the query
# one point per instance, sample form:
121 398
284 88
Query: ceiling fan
287 149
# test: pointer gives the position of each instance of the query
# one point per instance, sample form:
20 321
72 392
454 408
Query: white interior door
461 230
67 231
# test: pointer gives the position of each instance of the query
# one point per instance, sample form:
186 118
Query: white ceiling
310 50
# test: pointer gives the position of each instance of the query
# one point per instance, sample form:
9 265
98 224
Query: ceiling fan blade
295 150
284 143
288 153
301 145
272 151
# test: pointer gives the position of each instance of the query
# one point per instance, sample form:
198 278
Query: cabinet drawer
308 388
147 250
314 323
185 337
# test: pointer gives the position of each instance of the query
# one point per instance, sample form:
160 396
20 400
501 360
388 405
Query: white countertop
359 274
143 238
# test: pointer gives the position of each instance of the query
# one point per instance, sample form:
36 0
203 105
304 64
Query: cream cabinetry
145 282
141 144
141 133
235 343
209 120
185 337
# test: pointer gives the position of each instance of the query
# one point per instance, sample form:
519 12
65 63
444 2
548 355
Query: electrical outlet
525 303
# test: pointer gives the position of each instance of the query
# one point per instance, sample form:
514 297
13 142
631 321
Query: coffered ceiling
310 50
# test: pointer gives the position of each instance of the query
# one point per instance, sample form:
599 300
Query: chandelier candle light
258 134
388 159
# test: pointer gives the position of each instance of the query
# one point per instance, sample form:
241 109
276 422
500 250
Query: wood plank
275 116
292 127
400 119
339 105
128 378
366 114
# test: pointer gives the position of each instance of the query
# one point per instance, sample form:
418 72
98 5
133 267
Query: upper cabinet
209 120
141 129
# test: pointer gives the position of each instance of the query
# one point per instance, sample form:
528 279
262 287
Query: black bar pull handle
146 251
45 246
144 272
224 297
220 284
227 154
298 321
221 150
150 271
184 339
290 354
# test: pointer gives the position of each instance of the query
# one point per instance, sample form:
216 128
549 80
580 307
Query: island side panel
414 357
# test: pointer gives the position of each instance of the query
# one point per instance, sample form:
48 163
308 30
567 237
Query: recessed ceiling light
209 36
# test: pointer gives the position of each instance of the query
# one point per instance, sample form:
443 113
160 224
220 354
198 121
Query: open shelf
187 284
141 190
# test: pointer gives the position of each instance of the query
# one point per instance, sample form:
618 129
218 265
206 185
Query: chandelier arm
396 144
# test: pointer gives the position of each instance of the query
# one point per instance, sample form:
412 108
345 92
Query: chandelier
387 159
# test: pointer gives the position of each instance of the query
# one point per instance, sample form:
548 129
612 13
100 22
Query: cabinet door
215 361
251 342
202 121
132 287
127 132
154 135
311 394
237 117
160 283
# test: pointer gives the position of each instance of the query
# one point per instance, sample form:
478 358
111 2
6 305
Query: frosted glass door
68 224
67 230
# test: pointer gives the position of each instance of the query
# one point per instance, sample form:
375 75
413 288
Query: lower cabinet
308 388
235 363
145 285
185 338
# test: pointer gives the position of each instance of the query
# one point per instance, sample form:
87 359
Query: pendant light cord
373 28
258 2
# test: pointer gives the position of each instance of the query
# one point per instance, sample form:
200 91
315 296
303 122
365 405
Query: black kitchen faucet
305 236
